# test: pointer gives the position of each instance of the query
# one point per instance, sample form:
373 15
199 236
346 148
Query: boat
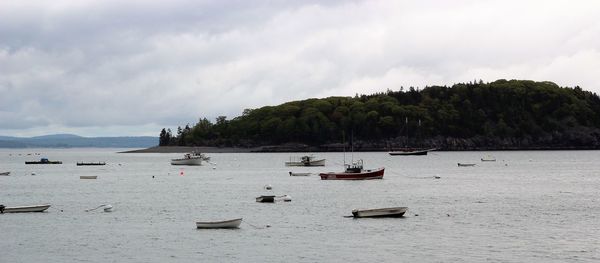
90 163
88 177
234 223
23 209
5 173
44 161
488 158
354 171
188 159
465 164
299 174
306 160
380 212
411 152
266 199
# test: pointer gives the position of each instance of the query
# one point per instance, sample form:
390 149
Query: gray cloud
104 67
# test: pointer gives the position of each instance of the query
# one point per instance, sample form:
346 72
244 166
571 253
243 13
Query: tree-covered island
504 114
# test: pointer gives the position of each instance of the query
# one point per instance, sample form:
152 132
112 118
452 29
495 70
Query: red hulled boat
354 171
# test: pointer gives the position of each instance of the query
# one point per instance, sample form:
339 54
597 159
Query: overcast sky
110 68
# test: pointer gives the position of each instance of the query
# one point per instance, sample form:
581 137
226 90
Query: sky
129 68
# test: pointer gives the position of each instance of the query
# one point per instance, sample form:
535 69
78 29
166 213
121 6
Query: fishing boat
44 161
23 209
234 223
188 159
306 160
299 174
88 177
266 199
380 212
411 152
90 163
354 171
465 164
4 173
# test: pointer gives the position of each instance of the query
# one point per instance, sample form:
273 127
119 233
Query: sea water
527 206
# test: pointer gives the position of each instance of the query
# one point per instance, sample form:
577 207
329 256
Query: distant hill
74 141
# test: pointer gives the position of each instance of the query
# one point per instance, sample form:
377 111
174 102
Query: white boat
108 208
380 212
307 160
88 177
234 223
23 209
188 159
488 158
4 173
299 174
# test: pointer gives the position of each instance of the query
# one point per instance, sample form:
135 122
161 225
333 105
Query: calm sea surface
528 206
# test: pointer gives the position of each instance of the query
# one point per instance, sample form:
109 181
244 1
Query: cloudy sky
120 67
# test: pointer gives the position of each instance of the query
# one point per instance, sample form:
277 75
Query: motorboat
88 177
380 212
299 174
306 160
90 163
23 209
234 223
354 171
266 199
465 164
43 161
188 159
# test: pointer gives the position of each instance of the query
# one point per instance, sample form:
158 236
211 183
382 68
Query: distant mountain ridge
76 141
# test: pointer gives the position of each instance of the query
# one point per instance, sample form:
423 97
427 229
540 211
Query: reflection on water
525 207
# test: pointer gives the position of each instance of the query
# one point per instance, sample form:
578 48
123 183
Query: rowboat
88 177
265 199
23 209
90 163
44 161
234 223
188 159
5 173
354 171
299 174
465 164
410 152
380 212
307 160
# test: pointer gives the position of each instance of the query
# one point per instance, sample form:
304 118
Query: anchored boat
380 212
234 223
23 209
307 160
44 161
354 171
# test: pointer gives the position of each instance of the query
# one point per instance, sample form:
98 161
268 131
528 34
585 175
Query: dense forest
504 114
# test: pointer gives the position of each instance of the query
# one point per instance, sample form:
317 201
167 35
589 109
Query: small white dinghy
234 223
23 209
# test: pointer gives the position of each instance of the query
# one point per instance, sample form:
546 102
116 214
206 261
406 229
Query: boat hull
234 223
299 174
419 152
266 199
88 177
86 164
49 162
310 163
5 174
187 161
365 175
25 209
465 164
380 212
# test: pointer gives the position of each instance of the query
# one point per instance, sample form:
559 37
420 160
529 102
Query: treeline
520 112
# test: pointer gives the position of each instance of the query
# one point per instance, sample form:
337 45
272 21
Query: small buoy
214 168
153 176
268 225
32 173
268 187
448 214
416 214
437 177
